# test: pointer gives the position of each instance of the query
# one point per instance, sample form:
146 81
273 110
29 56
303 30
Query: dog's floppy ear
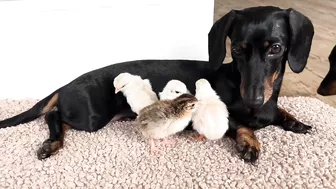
301 36
217 38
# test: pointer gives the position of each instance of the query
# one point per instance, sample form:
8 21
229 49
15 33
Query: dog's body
263 39
328 84
99 100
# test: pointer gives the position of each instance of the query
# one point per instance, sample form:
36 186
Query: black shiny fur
93 93
328 85
88 103
241 84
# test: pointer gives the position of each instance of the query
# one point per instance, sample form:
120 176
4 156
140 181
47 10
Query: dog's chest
253 118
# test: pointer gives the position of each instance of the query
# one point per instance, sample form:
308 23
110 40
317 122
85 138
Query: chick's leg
152 146
200 137
166 141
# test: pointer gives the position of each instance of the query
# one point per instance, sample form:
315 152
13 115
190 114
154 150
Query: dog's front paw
249 148
296 126
48 149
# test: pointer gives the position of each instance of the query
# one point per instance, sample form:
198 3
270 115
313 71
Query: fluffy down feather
137 91
165 117
210 118
173 89
159 121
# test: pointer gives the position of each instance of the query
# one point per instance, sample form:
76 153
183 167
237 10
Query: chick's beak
117 90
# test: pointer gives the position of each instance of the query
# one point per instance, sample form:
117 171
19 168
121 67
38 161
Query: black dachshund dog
263 39
328 85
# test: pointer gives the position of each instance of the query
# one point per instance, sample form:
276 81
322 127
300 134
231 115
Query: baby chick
147 84
173 89
165 117
210 119
137 91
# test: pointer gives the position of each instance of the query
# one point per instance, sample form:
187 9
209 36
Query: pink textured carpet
117 157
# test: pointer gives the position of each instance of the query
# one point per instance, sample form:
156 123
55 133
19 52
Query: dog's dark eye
177 92
275 49
237 50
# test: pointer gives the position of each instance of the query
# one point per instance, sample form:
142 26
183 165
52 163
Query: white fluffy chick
173 89
138 91
147 84
210 118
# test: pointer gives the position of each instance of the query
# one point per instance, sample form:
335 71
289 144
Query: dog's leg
247 143
56 135
289 123
125 115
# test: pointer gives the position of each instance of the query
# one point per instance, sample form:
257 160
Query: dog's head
262 40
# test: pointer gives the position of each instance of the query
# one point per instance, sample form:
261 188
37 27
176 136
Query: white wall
45 44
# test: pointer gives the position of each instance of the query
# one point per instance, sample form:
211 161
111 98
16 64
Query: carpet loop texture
118 157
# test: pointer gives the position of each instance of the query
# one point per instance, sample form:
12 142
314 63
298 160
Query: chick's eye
237 50
275 49
177 92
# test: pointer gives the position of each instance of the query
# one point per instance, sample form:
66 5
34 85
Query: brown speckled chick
165 117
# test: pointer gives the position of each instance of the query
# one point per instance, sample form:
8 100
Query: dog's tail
40 108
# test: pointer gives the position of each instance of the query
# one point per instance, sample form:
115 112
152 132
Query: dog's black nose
255 102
